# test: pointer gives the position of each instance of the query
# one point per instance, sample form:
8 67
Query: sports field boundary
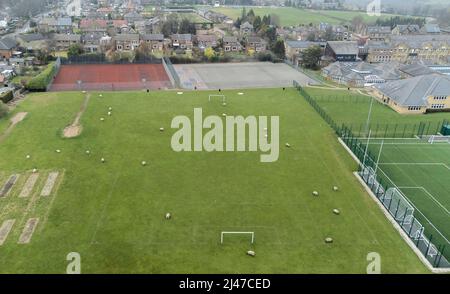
397 227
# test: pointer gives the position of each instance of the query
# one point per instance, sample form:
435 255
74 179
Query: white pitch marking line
429 194
415 163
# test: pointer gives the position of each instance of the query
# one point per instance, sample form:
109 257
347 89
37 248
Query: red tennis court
111 77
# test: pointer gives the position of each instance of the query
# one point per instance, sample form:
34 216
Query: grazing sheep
102 119
223 114
144 163
100 95
34 170
251 253
161 129
328 240
315 193
88 152
58 151
103 160
28 156
336 211
168 216
109 113
335 188
110 108
224 104
288 145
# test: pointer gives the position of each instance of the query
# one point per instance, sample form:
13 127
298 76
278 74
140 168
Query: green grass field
422 172
352 109
293 16
112 213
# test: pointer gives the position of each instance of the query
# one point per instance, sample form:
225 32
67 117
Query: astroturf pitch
112 213
422 172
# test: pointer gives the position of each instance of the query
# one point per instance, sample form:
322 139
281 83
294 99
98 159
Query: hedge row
40 82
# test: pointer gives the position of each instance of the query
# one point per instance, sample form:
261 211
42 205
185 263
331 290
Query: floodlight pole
379 155
368 116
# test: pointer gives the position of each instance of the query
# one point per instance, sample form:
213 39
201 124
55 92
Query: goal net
221 97
399 207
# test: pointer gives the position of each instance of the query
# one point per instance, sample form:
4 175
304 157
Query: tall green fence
380 183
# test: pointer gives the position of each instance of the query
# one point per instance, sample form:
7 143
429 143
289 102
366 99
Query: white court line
429 194
415 163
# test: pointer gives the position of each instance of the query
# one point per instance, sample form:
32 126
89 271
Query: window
414 108
440 97
437 106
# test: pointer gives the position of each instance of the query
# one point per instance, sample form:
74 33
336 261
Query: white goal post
224 99
248 233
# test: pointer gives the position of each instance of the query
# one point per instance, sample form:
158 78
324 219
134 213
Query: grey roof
431 28
360 70
246 25
407 29
89 37
153 37
66 37
344 47
302 44
7 44
206 38
182 37
379 30
32 37
416 69
255 40
126 37
417 41
64 21
414 91
230 39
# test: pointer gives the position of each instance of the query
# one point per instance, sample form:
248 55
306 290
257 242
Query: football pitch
421 170
62 197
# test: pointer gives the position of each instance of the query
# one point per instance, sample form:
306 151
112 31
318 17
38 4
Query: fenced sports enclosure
407 167
77 75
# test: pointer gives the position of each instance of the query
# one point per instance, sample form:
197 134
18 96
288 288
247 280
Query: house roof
101 23
32 37
182 37
66 37
344 47
126 37
64 21
7 44
379 30
230 39
206 38
302 44
255 40
153 37
416 69
431 28
414 91
246 25
406 29
418 41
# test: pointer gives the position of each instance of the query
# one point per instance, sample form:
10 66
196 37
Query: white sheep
251 253
335 188
58 151
28 156
336 211
103 160
102 119
288 145
161 129
328 240
144 163
168 216
315 193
